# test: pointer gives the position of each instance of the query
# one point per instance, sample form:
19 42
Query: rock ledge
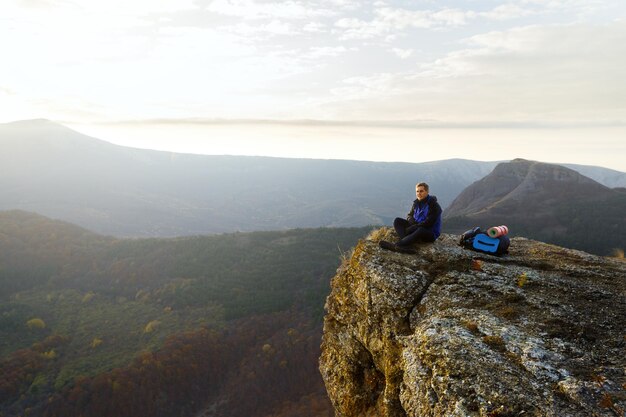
450 332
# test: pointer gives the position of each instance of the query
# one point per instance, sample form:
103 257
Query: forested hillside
97 326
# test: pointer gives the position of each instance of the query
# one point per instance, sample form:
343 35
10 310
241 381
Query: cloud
315 58
37 3
565 4
135 7
390 21
507 11
315 27
263 30
254 10
373 123
325 51
7 91
402 53
562 73
524 8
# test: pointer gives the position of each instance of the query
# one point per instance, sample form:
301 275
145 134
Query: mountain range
229 324
50 169
546 202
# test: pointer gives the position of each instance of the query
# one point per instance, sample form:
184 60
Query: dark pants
410 234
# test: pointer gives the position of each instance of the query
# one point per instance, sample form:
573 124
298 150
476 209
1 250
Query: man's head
421 190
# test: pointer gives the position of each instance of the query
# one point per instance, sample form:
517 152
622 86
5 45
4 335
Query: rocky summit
545 202
451 332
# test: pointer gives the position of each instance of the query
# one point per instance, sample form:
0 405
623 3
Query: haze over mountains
52 170
55 171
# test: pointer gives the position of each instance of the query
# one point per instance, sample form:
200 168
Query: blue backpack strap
484 243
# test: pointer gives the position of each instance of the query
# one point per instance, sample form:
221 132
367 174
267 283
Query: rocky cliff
450 332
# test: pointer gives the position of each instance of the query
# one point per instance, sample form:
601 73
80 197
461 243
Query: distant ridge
605 176
544 201
521 181
50 169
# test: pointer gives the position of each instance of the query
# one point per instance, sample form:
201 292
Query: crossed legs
411 233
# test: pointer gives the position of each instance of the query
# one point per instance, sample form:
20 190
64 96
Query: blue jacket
426 214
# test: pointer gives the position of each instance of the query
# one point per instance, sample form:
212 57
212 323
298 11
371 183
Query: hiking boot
395 248
386 245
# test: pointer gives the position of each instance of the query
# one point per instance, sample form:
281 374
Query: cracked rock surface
451 332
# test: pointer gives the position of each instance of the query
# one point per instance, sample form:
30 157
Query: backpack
474 239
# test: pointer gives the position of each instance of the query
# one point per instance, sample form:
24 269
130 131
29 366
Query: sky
393 80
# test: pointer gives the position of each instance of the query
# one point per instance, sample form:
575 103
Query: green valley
79 309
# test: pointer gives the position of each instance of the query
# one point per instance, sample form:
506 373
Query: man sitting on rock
423 223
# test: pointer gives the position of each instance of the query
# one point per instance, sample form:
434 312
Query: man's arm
409 217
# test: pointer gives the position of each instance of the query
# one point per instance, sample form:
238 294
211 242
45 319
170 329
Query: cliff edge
450 332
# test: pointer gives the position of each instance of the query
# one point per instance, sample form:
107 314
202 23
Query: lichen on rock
450 332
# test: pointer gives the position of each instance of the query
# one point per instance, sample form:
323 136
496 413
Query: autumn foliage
253 367
162 327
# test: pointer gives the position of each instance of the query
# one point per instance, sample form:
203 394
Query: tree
36 323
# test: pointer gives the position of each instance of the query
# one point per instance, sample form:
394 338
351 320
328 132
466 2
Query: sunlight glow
560 145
